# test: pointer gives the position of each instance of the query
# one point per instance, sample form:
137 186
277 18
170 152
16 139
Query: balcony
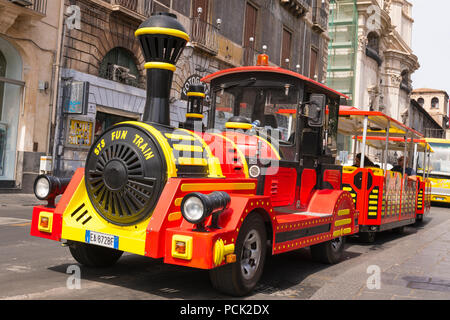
26 11
297 7
138 9
204 36
319 19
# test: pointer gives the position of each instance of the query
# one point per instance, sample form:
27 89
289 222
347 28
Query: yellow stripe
166 31
373 202
347 230
174 216
191 187
196 94
374 191
337 233
343 212
192 161
239 152
373 208
194 115
177 202
184 147
160 65
215 170
342 222
238 125
372 213
373 197
167 150
347 189
173 136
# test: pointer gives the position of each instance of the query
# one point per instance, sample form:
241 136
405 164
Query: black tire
241 277
94 256
328 252
419 218
367 237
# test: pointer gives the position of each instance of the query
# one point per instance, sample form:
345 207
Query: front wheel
328 252
241 277
94 256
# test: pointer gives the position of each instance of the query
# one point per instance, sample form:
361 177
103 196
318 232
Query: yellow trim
188 243
184 147
167 150
194 115
373 197
337 233
158 30
373 208
238 125
177 202
191 187
160 65
347 230
239 152
347 189
343 212
179 137
192 161
373 202
269 144
131 238
215 170
221 250
196 94
348 169
342 222
49 216
174 216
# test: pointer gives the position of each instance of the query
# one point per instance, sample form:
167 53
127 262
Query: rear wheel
94 256
329 252
241 277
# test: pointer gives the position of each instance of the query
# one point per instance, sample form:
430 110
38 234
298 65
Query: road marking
13 221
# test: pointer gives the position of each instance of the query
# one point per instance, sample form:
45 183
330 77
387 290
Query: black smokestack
162 39
194 115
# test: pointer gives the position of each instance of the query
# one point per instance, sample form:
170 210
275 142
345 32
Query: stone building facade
102 80
436 103
371 59
29 58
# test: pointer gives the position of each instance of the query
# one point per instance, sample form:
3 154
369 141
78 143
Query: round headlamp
196 206
48 187
42 188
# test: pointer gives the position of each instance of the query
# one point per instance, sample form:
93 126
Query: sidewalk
418 268
19 199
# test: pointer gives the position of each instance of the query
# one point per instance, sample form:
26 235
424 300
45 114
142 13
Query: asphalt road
415 265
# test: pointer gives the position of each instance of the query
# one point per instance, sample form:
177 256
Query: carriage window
274 108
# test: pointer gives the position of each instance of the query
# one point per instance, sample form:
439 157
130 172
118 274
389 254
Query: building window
421 102
313 64
119 65
435 103
404 85
286 48
251 14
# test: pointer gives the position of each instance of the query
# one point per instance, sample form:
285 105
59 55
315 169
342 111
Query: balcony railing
320 19
39 6
204 35
297 7
142 7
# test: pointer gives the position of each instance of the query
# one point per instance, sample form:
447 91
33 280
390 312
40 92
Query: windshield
274 107
440 159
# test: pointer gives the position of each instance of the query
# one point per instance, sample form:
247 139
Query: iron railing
320 18
142 7
204 35
40 6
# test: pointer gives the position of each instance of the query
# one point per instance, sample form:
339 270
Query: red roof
279 70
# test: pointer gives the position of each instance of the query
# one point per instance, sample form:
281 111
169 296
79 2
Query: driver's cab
295 115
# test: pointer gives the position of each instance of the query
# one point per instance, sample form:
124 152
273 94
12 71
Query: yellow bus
439 170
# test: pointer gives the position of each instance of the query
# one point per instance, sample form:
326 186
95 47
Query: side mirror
316 110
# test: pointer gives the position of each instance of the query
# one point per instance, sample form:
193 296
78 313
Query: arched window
119 65
420 101
435 103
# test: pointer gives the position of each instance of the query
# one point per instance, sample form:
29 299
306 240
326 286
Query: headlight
196 207
42 188
48 187
193 209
